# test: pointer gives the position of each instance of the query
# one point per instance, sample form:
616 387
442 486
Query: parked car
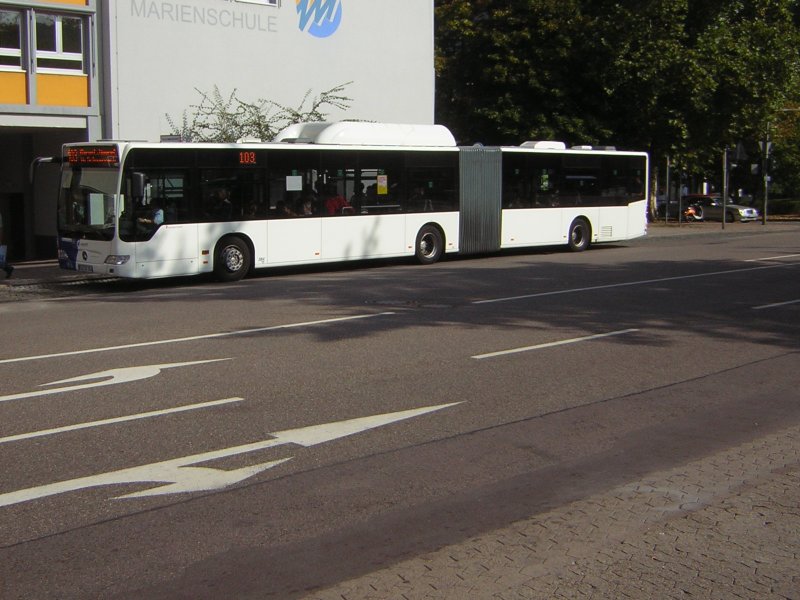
708 207
661 208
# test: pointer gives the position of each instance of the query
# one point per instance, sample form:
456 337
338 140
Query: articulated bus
330 192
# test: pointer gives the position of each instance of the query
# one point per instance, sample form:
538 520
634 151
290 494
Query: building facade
84 70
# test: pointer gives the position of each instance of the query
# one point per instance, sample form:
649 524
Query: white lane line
776 305
140 416
752 260
627 284
194 338
554 344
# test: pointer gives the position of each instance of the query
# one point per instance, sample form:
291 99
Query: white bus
329 192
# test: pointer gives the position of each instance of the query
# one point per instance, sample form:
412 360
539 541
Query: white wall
161 51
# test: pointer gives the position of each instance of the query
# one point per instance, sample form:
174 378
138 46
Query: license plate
86 268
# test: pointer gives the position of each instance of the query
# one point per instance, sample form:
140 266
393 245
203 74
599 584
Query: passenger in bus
420 200
155 216
253 211
546 200
222 207
335 203
372 194
357 199
307 205
284 210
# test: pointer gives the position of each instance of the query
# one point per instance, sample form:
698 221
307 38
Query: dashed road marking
587 338
776 305
612 286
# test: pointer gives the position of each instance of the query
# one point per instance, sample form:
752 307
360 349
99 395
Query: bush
219 119
784 206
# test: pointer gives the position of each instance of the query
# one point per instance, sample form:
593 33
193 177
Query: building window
10 40
59 43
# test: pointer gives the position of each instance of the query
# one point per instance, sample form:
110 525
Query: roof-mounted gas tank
355 133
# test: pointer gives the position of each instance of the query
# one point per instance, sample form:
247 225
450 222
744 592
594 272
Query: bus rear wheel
580 235
231 259
430 245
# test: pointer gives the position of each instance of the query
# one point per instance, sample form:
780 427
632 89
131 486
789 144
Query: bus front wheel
232 259
580 235
430 245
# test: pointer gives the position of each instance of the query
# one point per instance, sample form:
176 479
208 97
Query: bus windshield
86 203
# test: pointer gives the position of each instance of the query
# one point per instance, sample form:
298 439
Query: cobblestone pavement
44 279
726 526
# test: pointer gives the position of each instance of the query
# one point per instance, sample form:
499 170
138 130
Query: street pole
724 182
666 195
766 147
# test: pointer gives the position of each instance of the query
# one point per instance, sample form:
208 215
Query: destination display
93 156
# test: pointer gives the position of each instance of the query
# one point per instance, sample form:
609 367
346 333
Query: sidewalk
722 527
43 279
40 272
660 229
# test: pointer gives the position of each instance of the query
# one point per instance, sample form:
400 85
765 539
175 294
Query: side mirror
138 183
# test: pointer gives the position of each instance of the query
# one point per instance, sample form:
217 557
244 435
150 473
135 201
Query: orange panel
72 2
13 88
62 90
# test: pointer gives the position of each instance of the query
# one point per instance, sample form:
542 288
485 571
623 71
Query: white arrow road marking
110 377
199 479
195 479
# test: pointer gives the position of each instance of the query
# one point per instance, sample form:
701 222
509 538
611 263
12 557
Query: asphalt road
288 433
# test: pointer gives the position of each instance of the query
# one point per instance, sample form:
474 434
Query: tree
749 54
217 118
647 77
783 168
684 78
506 70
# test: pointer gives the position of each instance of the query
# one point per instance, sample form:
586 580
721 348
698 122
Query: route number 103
247 158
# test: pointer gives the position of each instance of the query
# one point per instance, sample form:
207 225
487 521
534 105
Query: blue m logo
321 18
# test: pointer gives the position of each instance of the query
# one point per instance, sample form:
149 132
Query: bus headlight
117 260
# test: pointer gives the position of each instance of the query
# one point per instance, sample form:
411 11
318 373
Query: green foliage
785 163
217 118
504 69
684 78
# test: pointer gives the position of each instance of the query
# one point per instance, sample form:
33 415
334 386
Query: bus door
159 220
362 205
532 215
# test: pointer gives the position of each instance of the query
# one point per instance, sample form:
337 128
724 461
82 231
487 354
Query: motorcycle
692 213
